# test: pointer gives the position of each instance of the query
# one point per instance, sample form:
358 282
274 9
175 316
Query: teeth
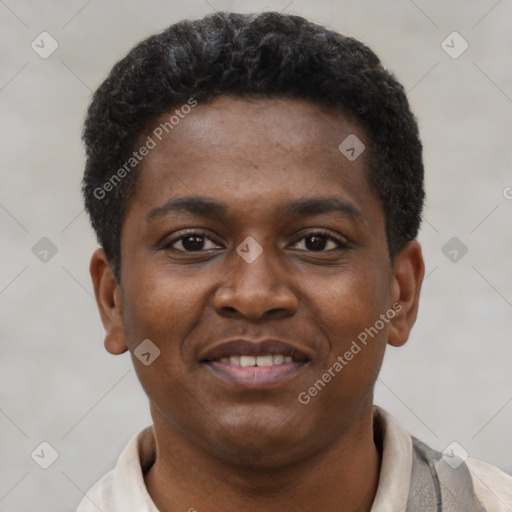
247 361
278 359
263 360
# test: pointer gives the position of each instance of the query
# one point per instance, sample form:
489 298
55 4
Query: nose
256 289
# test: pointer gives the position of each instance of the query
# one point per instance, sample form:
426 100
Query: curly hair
265 55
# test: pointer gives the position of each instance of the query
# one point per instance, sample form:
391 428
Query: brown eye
316 242
320 242
193 242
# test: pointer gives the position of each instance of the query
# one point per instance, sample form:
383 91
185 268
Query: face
253 240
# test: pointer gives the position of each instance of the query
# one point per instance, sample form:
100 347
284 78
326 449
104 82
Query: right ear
108 298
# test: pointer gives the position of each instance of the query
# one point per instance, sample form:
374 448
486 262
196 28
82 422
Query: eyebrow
319 205
198 205
211 208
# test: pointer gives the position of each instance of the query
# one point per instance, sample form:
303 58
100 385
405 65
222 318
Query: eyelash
328 236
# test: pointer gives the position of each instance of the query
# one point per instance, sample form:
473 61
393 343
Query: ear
108 298
409 270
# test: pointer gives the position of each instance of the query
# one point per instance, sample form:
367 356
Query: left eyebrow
319 205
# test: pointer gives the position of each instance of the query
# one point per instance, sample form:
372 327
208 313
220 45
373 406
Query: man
256 185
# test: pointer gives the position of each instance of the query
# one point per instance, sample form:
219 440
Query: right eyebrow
199 205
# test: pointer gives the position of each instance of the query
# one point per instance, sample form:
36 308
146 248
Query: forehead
291 127
253 152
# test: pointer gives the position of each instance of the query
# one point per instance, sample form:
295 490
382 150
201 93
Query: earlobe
109 301
409 270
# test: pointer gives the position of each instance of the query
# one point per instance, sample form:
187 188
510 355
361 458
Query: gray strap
436 486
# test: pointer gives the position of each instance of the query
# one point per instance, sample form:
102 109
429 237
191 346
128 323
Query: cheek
162 307
349 302
350 315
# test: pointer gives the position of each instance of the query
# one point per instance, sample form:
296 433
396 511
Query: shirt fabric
124 490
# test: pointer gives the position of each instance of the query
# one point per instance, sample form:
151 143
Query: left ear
409 270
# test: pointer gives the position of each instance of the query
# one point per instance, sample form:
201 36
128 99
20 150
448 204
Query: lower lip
255 377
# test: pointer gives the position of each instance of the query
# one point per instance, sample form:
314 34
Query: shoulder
425 475
123 489
492 486
99 496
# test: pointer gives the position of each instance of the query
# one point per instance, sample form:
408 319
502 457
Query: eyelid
168 242
342 242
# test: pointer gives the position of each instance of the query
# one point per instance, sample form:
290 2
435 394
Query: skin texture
220 447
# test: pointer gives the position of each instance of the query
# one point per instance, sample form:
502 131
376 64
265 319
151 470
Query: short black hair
265 55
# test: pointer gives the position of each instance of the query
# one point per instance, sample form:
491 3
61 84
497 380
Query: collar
128 490
396 465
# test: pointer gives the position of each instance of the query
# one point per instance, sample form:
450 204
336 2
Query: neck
339 476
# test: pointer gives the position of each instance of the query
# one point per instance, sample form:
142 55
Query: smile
263 360
261 372
251 364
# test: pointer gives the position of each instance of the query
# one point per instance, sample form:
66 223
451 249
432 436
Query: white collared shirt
124 490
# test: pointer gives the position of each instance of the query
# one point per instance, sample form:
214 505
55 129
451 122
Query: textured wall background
451 382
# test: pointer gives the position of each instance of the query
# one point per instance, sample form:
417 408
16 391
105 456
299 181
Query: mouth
255 365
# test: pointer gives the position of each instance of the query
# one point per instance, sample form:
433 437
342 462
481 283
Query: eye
191 242
321 241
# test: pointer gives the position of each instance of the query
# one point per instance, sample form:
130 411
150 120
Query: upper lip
250 347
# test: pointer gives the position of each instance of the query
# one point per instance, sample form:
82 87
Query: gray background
451 382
